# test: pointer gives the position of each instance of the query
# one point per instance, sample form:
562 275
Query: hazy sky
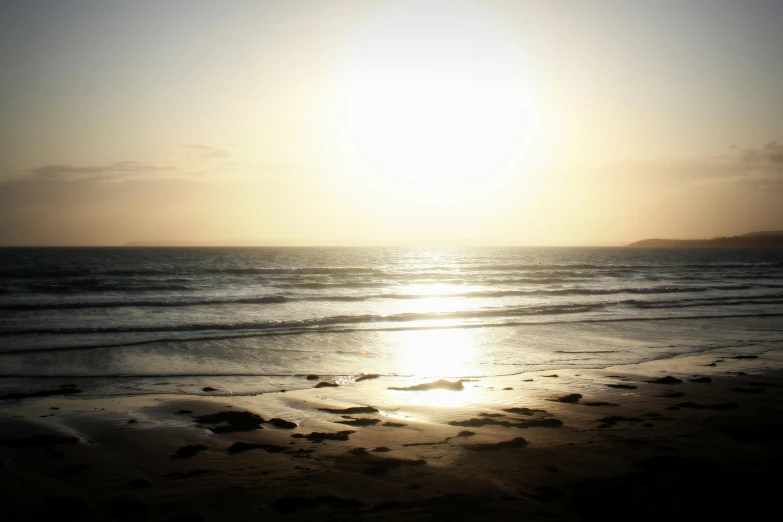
363 122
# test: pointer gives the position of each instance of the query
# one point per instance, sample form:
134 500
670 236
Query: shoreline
426 455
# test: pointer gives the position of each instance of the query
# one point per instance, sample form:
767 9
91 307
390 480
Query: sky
566 122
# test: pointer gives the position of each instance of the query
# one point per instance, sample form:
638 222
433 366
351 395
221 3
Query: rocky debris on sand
571 398
672 395
350 411
437 443
390 424
606 422
239 447
517 442
478 422
441 384
367 376
379 466
37 440
282 423
381 449
208 389
539 423
312 377
359 422
65 389
189 450
327 384
523 411
340 435
234 421
666 380
622 386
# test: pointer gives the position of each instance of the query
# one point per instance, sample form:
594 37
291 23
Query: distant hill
769 239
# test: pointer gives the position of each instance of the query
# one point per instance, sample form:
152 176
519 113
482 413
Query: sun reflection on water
438 353
439 398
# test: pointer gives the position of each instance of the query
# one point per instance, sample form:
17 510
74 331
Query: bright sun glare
434 96
437 353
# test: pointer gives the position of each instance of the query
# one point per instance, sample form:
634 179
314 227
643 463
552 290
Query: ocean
124 321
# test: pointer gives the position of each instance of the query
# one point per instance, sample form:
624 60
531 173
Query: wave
326 321
562 269
618 267
279 299
157 303
304 271
250 335
73 286
342 284
701 299
725 302
433 278
48 272
29 273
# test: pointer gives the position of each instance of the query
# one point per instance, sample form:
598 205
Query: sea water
251 320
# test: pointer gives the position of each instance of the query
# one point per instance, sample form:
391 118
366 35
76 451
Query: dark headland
772 239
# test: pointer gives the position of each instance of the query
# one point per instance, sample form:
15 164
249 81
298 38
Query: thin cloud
208 153
741 165
115 171
769 154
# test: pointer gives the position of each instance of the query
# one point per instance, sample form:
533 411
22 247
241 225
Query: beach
391 261
385 383
672 439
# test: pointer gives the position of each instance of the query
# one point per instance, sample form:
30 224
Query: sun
433 97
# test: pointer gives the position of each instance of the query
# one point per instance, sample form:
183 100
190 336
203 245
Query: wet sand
675 439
